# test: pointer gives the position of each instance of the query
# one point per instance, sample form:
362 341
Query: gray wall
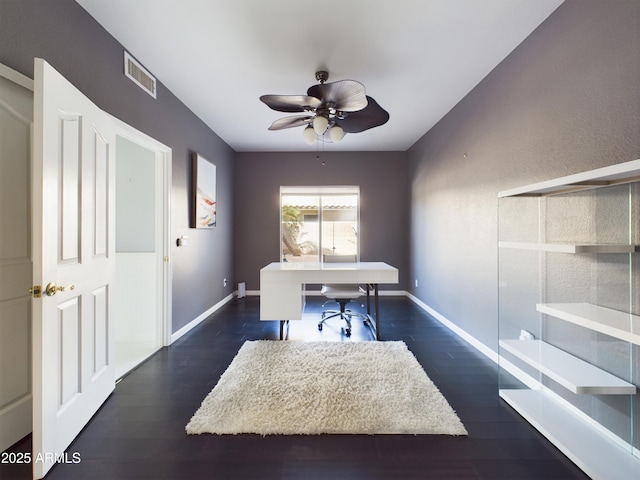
566 100
67 37
382 177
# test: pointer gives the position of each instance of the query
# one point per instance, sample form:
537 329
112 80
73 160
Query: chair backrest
330 258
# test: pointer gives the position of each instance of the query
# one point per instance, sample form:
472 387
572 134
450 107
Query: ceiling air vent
139 75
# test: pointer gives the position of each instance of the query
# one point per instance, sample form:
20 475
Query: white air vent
139 75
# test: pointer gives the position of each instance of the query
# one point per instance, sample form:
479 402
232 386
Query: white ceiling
417 58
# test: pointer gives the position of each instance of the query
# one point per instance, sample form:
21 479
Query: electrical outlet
525 335
224 282
416 283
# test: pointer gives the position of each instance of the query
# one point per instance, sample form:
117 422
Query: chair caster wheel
348 332
320 326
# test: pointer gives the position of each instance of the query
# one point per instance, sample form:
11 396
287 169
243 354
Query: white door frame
16 77
16 414
163 156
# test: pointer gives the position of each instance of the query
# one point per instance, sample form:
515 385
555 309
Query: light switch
183 241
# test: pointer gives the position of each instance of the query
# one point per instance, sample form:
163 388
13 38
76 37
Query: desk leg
375 287
375 317
368 300
282 322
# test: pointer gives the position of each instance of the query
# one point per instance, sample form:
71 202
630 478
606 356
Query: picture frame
204 193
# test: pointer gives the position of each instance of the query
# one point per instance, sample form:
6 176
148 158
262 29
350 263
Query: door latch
36 291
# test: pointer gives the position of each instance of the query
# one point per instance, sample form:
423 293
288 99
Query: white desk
282 286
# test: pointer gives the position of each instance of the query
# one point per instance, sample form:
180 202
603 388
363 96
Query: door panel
73 205
70 350
101 197
100 330
70 187
14 355
16 112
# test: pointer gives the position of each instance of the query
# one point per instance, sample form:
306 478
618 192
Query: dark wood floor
139 432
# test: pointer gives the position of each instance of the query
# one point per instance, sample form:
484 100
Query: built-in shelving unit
575 375
601 177
592 450
554 298
570 248
614 323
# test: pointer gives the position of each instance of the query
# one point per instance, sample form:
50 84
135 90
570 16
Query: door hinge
36 290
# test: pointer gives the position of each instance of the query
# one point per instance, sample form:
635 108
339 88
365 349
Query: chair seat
342 291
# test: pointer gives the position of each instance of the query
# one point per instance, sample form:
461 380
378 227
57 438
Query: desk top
317 272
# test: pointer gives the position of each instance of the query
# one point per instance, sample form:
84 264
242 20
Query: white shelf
570 248
572 373
595 453
621 325
601 177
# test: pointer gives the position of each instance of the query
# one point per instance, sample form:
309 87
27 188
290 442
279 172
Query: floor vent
139 75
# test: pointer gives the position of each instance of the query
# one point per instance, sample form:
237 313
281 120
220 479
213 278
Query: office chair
342 294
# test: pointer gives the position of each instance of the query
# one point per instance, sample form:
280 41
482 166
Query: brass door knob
52 288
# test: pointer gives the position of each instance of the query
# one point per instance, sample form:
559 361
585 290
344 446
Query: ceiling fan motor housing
322 76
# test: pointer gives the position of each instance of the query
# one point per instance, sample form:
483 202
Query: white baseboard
481 347
176 335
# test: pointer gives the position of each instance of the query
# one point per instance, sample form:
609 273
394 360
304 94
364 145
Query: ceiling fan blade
371 116
345 95
291 103
290 122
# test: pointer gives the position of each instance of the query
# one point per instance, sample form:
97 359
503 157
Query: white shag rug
288 387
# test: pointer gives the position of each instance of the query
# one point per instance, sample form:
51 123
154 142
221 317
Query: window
315 221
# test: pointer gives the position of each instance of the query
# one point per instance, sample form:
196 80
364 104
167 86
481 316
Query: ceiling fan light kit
309 135
340 107
320 124
336 133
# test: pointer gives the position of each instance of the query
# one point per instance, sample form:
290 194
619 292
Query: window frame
320 192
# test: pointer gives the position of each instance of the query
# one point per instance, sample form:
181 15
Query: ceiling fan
340 107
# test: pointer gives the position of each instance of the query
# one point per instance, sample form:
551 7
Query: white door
73 254
16 116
